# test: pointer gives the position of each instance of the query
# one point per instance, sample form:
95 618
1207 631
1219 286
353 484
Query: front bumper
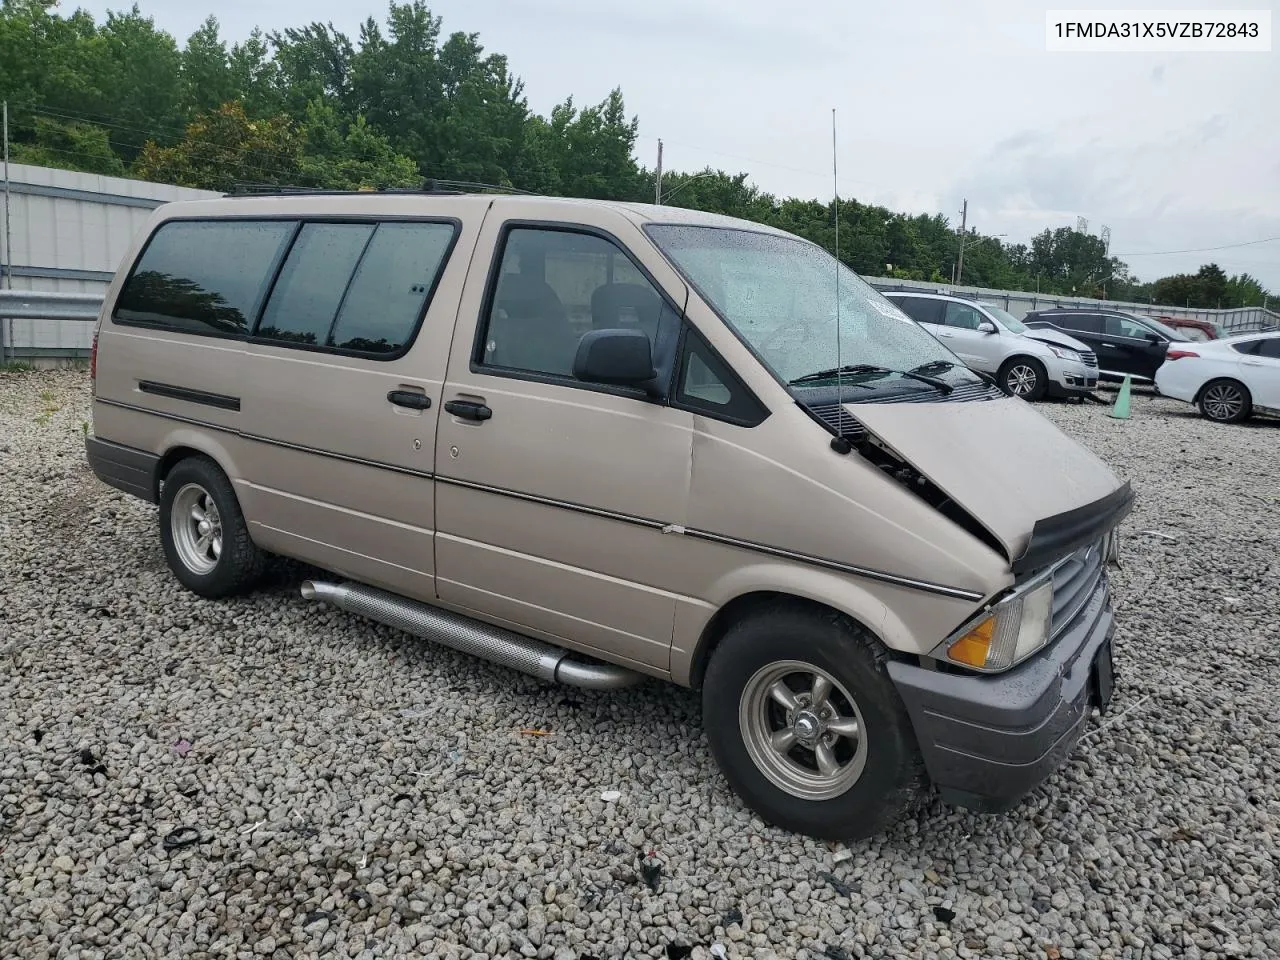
989 740
1073 381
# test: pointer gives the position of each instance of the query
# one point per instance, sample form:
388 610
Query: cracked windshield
780 296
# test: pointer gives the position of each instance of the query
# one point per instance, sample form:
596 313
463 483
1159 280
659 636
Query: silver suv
1026 362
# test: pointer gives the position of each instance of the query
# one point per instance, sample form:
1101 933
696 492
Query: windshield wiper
836 371
933 365
941 385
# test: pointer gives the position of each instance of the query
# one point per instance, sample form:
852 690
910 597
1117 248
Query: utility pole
6 265
657 180
8 250
964 219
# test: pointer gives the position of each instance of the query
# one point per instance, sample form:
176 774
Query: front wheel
1024 377
807 727
1225 401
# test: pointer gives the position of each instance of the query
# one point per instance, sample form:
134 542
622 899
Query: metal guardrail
40 305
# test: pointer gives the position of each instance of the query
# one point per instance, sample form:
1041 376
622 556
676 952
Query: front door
979 351
553 494
1129 347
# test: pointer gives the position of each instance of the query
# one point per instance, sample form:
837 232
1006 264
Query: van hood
1053 336
1037 491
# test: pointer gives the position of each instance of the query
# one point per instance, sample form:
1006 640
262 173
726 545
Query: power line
1225 246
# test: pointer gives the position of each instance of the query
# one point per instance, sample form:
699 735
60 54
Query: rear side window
206 277
358 287
389 290
1270 348
310 288
1084 322
920 309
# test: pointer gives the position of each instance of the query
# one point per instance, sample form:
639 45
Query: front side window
203 276
1006 319
553 286
1124 327
962 316
1152 324
706 385
779 294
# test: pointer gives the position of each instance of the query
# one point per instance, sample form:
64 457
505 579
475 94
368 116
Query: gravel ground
357 793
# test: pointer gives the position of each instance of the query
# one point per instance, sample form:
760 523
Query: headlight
1064 353
1010 632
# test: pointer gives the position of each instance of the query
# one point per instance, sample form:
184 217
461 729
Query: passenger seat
530 328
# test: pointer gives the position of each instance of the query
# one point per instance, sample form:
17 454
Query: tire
217 561
879 773
1023 377
1225 401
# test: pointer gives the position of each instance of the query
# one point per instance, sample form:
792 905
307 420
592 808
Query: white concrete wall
69 233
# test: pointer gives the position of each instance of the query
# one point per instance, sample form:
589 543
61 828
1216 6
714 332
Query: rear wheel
1226 401
807 727
206 540
1023 377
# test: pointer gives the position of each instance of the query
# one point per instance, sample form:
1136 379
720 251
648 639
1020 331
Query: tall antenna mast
835 182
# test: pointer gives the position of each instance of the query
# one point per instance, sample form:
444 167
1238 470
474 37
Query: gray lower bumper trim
127 469
988 740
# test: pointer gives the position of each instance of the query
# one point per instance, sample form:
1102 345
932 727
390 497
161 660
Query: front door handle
468 409
408 398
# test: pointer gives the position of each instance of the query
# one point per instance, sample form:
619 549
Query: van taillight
93 361
1178 354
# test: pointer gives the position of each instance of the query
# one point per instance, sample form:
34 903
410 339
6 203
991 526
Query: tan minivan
595 441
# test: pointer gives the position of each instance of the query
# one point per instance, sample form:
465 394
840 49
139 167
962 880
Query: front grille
1075 581
1089 358
836 417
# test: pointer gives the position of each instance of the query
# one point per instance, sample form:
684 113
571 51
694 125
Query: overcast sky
936 101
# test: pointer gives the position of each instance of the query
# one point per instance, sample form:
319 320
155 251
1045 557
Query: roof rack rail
431 185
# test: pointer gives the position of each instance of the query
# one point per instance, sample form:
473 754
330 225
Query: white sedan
1228 379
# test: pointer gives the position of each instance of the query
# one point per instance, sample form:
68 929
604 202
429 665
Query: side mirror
986 326
1154 339
623 357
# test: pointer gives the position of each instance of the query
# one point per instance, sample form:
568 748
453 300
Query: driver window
552 286
962 316
1124 327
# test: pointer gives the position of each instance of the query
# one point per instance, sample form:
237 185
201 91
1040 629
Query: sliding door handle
408 398
468 409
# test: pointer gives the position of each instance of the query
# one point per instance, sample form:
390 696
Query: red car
1195 329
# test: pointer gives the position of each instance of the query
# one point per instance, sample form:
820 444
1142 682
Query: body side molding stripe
865 572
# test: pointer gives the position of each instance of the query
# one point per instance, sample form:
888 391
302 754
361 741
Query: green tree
354 158
226 147
207 80
313 63
139 84
71 146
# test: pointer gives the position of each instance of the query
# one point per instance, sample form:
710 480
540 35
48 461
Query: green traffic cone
1121 409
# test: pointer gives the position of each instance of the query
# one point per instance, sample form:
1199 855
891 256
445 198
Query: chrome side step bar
470 636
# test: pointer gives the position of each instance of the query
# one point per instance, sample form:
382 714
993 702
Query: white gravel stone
360 793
